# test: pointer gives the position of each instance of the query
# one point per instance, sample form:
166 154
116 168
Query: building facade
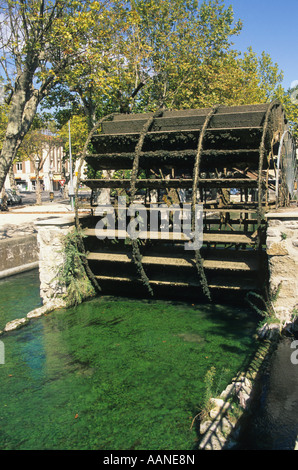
52 172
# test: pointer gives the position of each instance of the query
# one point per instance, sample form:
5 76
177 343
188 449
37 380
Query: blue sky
270 26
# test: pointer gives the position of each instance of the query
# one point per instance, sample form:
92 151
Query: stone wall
282 251
223 418
50 236
18 254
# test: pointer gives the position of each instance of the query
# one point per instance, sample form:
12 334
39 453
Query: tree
289 99
38 40
3 115
156 52
261 75
79 134
100 74
78 128
3 126
121 56
37 147
174 51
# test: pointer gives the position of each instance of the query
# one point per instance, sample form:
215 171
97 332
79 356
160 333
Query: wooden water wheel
226 160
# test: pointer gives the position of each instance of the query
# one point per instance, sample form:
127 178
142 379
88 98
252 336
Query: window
19 166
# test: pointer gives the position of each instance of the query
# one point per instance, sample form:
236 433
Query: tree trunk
37 188
11 178
8 152
23 108
4 205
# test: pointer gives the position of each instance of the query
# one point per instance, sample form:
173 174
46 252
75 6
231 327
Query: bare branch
23 14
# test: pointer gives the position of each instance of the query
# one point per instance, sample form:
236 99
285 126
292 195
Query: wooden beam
219 120
221 138
208 237
196 112
175 261
210 159
172 183
245 285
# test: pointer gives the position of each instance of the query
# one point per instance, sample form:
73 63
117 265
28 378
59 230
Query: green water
18 295
117 374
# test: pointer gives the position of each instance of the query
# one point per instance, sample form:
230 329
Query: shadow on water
249 364
273 421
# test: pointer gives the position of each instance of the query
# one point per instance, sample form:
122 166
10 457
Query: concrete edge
18 238
50 306
282 215
19 269
55 221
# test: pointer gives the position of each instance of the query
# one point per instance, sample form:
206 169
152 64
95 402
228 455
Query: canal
273 422
115 373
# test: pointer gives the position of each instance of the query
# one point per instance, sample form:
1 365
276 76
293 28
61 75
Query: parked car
13 197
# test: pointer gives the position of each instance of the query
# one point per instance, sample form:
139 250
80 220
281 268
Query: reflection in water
274 423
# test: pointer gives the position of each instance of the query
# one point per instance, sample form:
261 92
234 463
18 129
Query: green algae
118 374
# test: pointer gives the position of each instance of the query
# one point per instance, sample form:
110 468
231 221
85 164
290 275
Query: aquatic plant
294 314
72 273
209 386
266 306
214 383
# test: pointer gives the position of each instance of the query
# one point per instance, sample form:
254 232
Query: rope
77 221
136 254
196 173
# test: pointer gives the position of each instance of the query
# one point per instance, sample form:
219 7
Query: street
29 197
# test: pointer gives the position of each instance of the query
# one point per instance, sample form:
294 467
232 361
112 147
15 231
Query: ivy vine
136 254
72 273
196 173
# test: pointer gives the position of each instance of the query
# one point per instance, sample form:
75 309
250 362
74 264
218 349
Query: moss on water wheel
196 173
136 254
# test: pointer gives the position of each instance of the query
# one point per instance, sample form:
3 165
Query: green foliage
262 76
78 132
263 307
3 124
140 53
284 236
289 100
95 58
214 384
72 273
209 386
3 120
294 315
